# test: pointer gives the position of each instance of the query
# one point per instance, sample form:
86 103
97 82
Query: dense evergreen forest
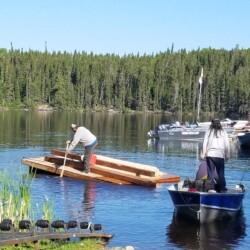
167 81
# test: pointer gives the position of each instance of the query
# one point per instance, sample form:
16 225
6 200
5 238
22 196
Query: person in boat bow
88 140
216 150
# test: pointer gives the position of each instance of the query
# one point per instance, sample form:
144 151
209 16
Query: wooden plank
114 181
111 173
107 172
69 162
164 178
72 163
39 163
168 178
147 182
96 172
79 166
138 169
74 168
69 155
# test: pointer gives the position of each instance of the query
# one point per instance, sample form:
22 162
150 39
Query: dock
103 168
59 230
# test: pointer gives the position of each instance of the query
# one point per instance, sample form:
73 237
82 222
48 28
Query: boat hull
205 207
244 139
182 134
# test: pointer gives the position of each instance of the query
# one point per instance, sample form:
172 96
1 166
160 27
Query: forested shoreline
167 81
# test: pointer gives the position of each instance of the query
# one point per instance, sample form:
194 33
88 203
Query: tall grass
15 199
15 204
48 209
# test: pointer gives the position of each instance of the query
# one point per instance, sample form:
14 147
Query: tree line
166 81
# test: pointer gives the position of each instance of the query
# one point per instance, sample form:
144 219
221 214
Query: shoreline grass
15 204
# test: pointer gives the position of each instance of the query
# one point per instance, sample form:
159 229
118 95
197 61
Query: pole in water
199 98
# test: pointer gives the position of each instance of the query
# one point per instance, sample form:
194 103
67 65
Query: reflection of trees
51 129
219 235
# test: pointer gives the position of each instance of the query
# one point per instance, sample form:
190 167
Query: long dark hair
216 125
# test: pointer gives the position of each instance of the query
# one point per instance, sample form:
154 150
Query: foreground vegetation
15 204
88 244
15 199
164 81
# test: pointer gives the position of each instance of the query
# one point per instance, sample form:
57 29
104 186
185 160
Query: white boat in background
236 124
240 132
183 132
177 132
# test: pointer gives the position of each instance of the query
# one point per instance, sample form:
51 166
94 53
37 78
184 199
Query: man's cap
73 125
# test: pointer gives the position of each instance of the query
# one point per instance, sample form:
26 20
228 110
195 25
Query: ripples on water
138 216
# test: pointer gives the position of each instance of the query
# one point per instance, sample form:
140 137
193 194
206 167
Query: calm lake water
138 216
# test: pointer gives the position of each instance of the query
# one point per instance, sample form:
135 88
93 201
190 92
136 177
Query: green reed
48 209
15 199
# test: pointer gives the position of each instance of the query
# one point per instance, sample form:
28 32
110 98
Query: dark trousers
87 156
215 164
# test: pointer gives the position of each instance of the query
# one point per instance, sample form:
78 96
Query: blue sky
124 26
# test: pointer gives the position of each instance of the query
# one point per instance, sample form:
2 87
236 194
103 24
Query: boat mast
199 98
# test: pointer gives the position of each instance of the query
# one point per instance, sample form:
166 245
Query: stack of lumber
103 169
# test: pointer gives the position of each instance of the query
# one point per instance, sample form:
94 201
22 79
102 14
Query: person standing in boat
216 149
88 140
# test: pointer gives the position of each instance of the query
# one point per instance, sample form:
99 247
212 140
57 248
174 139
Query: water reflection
238 151
186 146
192 147
78 197
89 199
224 234
32 128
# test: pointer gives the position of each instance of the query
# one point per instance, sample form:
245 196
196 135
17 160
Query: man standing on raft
89 142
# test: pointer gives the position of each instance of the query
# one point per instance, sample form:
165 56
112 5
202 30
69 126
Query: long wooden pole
199 105
64 162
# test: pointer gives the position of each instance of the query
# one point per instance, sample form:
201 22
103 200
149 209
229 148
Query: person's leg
87 157
220 169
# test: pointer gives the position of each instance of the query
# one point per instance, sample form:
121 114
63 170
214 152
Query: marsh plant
15 199
48 209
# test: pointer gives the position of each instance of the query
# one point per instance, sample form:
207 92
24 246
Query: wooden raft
105 169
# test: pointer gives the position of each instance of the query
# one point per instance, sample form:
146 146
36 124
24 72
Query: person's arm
205 142
227 146
74 142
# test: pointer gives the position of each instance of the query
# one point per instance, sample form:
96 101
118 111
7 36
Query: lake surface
138 216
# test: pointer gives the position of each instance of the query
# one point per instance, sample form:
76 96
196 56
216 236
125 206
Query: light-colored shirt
216 146
84 136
